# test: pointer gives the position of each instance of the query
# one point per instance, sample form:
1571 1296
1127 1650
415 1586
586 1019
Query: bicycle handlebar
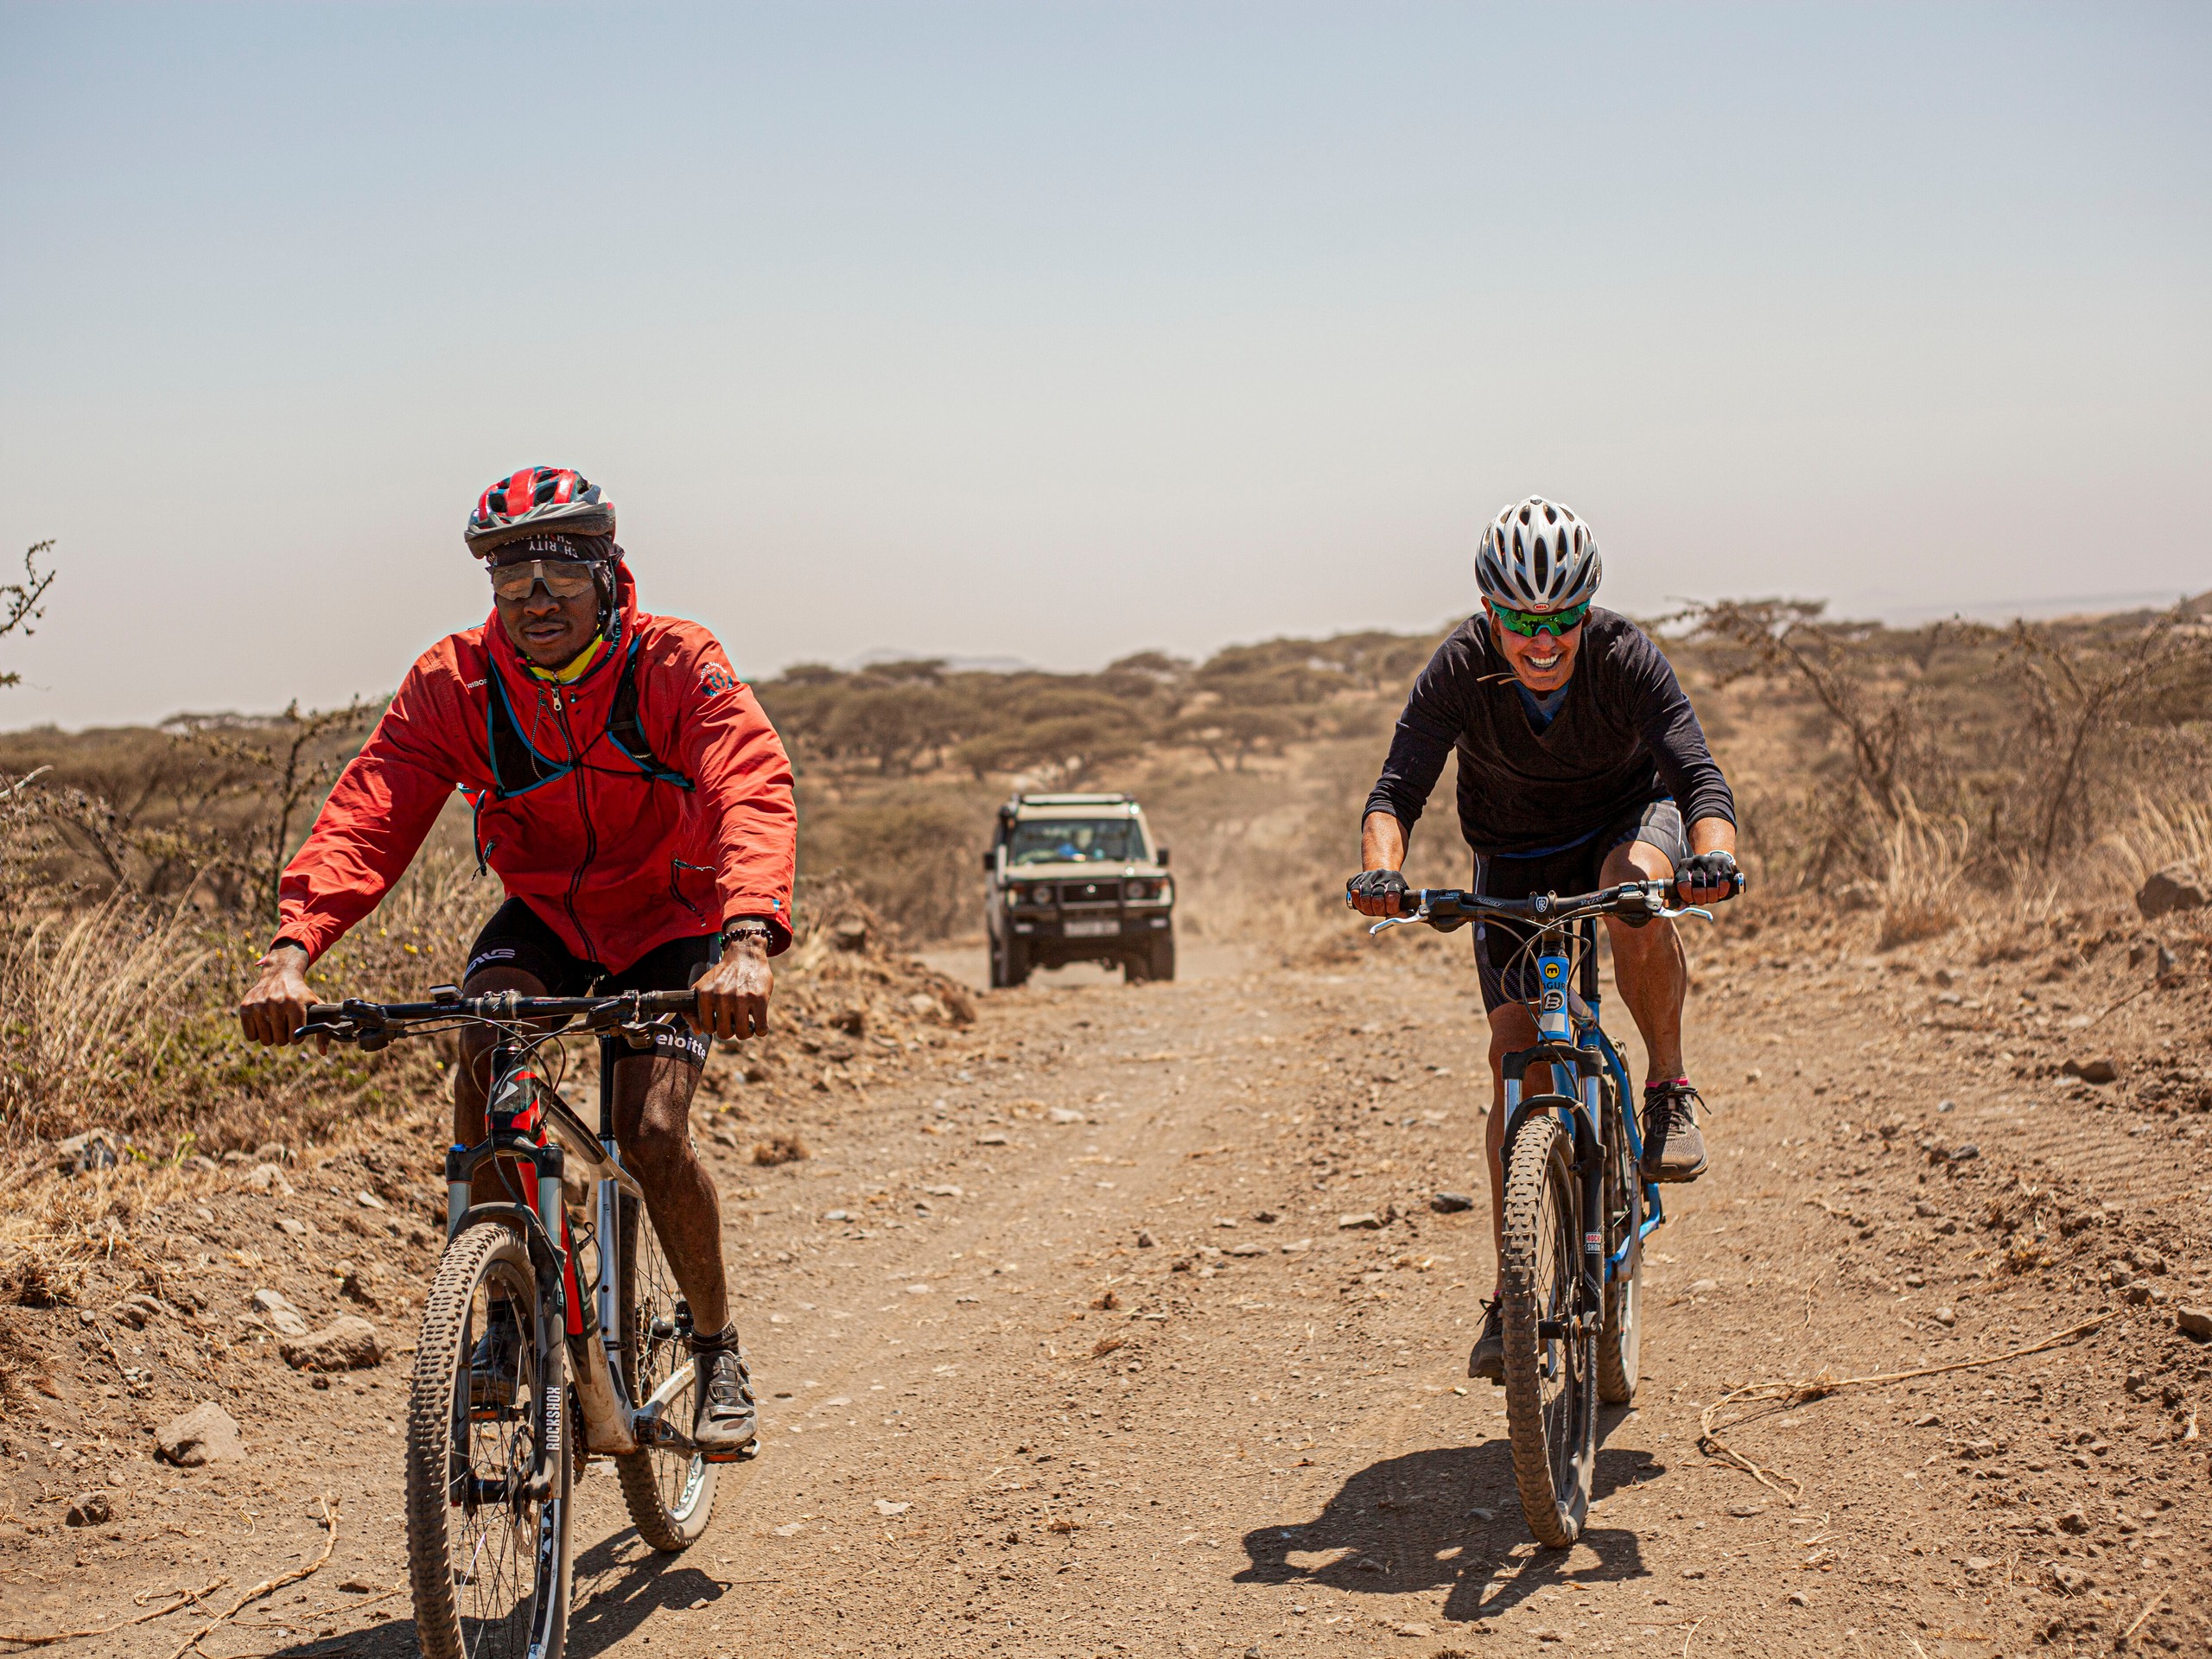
1444 906
353 1018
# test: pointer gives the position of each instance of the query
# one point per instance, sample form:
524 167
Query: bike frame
579 1326
523 1114
1569 1037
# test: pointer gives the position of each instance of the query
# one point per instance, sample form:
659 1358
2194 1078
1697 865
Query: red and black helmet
538 501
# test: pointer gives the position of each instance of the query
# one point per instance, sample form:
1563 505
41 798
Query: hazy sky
1062 331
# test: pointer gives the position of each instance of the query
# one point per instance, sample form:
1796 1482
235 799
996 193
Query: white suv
1077 878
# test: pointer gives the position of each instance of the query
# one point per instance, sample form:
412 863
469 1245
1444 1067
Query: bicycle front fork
1590 1167
1585 1124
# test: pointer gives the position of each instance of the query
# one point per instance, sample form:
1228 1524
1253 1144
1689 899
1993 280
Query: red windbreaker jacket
649 800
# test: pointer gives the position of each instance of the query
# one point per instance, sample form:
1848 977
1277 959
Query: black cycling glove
1377 884
1714 869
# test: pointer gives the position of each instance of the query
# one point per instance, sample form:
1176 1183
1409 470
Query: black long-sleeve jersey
1625 736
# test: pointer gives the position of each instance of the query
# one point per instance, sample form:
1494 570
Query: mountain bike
1577 1210
553 1314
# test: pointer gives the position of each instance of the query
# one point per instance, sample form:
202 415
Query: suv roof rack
1073 800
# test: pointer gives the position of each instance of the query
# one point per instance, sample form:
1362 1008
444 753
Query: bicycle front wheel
1551 1395
488 1461
670 1493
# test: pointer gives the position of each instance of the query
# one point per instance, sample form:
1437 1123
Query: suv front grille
1090 893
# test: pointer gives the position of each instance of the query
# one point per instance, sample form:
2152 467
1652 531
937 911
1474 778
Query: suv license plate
1104 929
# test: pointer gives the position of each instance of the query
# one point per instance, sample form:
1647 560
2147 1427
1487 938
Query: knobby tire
1620 1344
670 1493
1554 1449
462 1561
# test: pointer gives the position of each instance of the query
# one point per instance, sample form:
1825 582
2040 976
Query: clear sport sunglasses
1529 624
563 578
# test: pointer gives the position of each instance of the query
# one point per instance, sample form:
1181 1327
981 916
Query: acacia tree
895 713
23 603
1789 638
282 763
2094 704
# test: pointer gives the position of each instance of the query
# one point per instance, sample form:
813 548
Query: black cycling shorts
517 936
1508 974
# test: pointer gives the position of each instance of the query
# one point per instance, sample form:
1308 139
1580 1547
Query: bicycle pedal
744 1453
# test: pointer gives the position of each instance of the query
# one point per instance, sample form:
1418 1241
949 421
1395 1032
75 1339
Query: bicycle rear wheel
487 1516
1620 1344
1550 1381
670 1493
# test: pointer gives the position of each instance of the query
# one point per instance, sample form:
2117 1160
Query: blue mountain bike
1577 1210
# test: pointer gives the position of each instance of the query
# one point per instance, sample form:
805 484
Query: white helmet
1538 556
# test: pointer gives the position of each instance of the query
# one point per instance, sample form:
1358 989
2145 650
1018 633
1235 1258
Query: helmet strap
610 588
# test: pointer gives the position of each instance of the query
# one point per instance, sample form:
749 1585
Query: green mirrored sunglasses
1528 624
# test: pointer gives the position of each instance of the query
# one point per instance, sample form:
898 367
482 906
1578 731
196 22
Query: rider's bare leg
1648 963
652 1105
653 1123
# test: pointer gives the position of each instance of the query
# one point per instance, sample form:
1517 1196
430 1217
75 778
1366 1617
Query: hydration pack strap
628 732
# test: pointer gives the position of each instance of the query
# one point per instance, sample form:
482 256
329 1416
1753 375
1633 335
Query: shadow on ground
628 1595
1418 1523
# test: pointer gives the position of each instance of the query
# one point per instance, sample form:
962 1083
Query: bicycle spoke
670 1492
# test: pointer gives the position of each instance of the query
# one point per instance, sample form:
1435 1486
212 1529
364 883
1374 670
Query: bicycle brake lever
1421 915
1686 910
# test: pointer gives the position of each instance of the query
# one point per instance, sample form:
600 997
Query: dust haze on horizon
1056 334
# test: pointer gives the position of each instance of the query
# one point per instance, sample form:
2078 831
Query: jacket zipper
676 868
591 836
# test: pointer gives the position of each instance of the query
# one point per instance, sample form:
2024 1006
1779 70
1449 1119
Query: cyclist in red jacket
636 805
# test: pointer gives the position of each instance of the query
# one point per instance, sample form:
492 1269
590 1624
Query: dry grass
120 1015
1923 883
94 1004
54 1236
2158 836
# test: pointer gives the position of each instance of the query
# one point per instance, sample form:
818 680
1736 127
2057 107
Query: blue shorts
1507 973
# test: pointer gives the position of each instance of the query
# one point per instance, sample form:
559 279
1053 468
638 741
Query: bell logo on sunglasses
563 578
1528 624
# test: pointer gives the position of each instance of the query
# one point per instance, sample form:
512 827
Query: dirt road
1069 1343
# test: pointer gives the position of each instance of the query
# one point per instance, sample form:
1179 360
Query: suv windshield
1076 841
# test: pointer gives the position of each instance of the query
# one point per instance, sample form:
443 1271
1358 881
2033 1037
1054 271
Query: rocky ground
1121 1322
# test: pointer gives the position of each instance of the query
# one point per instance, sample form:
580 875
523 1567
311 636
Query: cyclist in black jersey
1581 764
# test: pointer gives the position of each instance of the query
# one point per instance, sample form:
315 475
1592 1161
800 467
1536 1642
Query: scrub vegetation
1931 774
